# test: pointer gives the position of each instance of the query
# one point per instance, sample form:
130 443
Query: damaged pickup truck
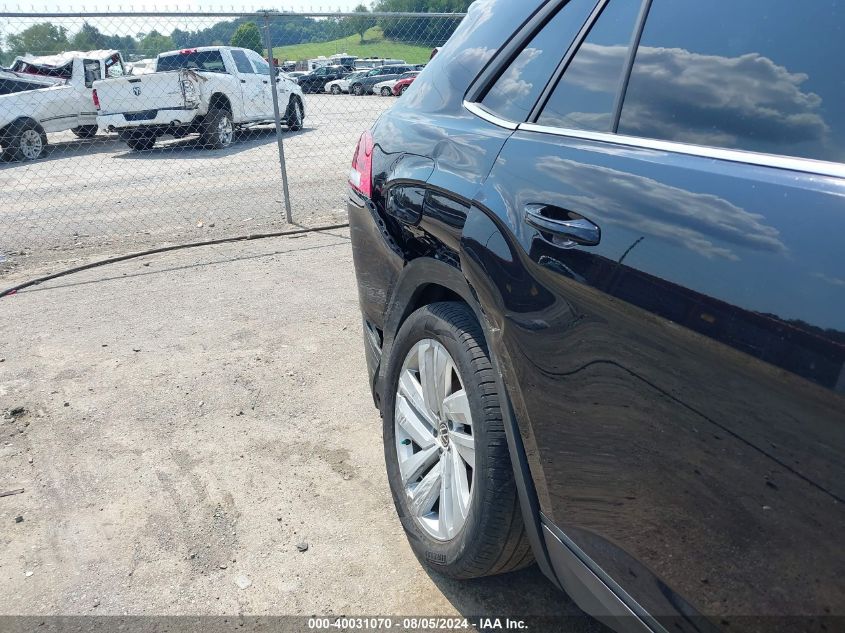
210 91
50 94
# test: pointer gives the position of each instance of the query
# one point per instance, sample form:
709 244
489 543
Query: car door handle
562 223
243 81
264 81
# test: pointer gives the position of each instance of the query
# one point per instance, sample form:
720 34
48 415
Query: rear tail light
361 174
96 100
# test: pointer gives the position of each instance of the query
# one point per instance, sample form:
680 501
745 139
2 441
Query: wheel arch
295 97
20 121
424 281
220 101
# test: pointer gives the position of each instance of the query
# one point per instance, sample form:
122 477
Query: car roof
63 58
201 49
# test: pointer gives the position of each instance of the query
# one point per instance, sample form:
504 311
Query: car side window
242 63
749 82
114 67
92 71
516 90
261 67
585 96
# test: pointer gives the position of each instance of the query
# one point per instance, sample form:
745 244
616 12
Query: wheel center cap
443 434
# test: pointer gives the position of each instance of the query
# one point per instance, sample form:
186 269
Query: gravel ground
183 425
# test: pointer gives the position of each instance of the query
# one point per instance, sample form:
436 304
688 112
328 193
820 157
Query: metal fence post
273 82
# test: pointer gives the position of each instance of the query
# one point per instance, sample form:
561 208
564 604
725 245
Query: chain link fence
150 128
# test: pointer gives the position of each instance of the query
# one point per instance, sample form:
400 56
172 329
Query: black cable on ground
164 249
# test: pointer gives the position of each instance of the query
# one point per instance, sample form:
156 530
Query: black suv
317 79
600 251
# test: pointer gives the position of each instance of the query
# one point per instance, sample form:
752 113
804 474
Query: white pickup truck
51 94
209 90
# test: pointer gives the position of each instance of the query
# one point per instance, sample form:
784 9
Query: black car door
668 274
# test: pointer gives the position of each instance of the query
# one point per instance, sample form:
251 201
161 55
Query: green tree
39 39
360 24
154 43
248 36
88 38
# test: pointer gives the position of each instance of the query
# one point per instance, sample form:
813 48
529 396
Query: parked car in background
316 80
385 88
600 253
295 74
339 86
41 94
403 82
210 91
364 85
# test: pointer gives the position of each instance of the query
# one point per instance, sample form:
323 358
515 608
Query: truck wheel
294 115
138 140
24 141
335 89
217 130
85 131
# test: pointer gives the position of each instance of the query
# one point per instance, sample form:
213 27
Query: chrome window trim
807 165
792 163
478 111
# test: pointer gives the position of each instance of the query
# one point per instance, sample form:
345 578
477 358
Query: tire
24 140
481 532
139 140
357 90
294 115
85 131
335 89
386 92
403 89
218 131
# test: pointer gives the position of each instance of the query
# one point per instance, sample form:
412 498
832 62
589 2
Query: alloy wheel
435 444
225 131
31 145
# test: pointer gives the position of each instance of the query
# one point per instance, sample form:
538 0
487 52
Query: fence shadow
71 148
191 148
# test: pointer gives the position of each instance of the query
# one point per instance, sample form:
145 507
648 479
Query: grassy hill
374 45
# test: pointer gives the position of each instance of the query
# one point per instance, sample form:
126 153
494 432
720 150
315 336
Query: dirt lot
190 422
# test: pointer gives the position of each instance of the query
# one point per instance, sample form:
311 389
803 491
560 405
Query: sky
152 5
126 26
